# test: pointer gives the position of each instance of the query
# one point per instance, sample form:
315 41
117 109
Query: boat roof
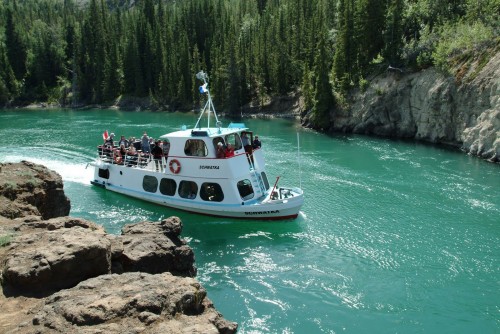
206 132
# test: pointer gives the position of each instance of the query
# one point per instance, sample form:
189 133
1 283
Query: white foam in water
70 172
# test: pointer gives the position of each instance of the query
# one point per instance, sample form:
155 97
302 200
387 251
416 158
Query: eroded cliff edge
62 274
461 110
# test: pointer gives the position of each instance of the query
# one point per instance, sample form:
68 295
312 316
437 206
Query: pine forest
92 52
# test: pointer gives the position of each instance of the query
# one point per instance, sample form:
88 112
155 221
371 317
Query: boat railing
112 155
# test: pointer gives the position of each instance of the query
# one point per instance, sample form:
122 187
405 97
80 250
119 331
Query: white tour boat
195 175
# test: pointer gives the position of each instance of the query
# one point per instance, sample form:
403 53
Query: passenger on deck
247 146
146 148
123 150
229 151
166 148
109 140
119 157
107 147
256 143
123 141
244 139
157 152
220 151
136 143
131 156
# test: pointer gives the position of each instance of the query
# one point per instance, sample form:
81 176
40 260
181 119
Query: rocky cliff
462 110
30 189
66 275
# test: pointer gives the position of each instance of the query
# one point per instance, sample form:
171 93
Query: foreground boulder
154 247
51 260
49 255
130 303
42 251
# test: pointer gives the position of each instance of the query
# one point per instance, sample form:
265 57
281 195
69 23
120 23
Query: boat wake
71 165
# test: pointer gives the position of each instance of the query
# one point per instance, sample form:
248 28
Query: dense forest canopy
78 52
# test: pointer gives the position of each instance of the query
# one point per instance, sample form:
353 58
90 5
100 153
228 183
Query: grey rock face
432 107
133 303
43 261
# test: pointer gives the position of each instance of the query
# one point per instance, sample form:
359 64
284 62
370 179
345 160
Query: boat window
235 140
264 178
104 173
150 183
218 140
195 148
188 189
167 187
211 192
246 190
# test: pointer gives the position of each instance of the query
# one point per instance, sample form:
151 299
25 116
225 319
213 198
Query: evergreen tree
16 48
234 96
112 75
369 27
345 53
323 97
8 83
393 34
307 87
93 55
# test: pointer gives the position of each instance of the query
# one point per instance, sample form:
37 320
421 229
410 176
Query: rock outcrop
131 303
461 110
156 248
43 261
30 189
65 274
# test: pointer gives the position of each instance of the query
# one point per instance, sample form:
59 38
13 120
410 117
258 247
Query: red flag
105 135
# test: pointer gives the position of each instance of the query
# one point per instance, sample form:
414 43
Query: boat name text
208 167
261 212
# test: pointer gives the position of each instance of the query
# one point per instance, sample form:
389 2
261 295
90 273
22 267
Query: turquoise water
394 237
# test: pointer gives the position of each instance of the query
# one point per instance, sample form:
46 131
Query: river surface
394 237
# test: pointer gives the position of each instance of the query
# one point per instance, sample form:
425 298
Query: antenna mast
209 106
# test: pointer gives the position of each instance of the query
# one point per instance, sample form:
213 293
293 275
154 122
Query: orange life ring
175 166
117 157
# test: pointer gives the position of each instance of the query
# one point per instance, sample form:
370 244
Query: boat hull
262 208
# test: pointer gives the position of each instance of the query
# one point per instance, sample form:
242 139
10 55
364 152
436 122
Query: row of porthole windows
209 191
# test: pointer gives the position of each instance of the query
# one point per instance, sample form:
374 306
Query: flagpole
300 163
204 90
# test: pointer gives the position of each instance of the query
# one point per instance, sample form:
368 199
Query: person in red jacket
229 151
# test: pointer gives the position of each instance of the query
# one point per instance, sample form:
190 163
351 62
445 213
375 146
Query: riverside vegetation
326 55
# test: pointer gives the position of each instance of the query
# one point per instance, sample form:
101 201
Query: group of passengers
133 151
227 150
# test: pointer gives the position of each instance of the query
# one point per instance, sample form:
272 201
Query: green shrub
363 84
459 38
9 186
379 91
5 240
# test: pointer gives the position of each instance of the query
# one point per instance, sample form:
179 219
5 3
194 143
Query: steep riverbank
64 274
461 110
